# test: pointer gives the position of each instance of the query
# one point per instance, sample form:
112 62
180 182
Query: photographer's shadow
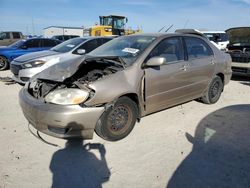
76 166
221 152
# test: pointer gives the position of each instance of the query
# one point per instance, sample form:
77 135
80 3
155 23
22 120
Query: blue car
21 47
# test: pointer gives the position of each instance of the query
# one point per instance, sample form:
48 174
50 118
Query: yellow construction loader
112 25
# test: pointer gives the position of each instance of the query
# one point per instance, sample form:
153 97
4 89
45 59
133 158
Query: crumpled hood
62 70
35 55
65 69
239 35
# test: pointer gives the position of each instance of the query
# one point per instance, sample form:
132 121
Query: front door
169 83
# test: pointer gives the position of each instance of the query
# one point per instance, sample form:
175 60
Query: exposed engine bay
93 70
88 71
240 54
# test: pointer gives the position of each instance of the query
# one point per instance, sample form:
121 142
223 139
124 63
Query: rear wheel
3 63
214 91
118 121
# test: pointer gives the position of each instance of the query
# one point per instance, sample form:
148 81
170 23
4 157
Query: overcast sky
31 16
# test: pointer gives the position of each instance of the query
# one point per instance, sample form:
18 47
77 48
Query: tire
214 91
4 64
118 121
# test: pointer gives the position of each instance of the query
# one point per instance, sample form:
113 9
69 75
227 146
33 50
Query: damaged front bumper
59 120
24 75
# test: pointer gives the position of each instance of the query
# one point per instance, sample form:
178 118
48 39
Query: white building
58 30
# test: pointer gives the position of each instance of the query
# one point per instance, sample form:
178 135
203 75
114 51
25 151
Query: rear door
202 63
167 84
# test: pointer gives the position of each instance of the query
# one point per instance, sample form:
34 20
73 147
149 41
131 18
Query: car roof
37 38
213 31
158 35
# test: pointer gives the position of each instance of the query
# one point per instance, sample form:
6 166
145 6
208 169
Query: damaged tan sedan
120 82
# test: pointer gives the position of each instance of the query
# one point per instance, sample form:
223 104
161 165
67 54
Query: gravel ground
190 145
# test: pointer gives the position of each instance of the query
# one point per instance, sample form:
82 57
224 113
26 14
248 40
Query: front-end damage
76 117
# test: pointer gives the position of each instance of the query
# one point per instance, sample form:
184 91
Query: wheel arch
221 75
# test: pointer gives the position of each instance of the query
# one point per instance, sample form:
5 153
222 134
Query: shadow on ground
7 80
240 78
245 80
221 152
76 166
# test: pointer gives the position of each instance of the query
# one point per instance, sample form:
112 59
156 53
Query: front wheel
214 91
4 64
118 121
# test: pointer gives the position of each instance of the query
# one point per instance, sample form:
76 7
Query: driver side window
170 48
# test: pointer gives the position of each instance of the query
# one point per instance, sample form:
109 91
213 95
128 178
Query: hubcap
215 89
119 119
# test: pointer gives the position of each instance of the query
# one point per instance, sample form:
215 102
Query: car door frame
174 86
202 68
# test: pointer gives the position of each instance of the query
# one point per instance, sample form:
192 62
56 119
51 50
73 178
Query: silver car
26 66
122 81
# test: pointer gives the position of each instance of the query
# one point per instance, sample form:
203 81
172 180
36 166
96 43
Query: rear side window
33 43
16 35
5 35
197 48
49 43
170 48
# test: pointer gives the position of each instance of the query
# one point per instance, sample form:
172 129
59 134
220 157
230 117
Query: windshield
17 44
127 47
68 45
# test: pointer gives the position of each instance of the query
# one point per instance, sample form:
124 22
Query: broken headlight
68 96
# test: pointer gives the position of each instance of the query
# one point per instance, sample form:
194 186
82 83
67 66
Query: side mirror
81 51
155 61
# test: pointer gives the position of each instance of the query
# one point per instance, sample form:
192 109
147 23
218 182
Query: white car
26 66
218 38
